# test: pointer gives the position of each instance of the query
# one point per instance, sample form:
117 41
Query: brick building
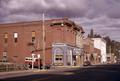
91 53
20 40
88 49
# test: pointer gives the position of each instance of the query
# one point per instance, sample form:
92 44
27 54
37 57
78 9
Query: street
91 73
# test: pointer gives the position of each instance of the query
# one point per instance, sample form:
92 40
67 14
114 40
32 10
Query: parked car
86 63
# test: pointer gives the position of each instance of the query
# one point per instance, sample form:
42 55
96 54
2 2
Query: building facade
100 43
88 49
91 53
21 40
65 54
79 44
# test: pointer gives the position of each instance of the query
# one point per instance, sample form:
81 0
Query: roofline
100 39
65 20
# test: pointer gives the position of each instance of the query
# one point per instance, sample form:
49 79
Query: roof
51 22
99 39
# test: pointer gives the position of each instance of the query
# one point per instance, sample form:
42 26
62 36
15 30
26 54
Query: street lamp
38 61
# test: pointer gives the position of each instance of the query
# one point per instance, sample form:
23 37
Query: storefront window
58 55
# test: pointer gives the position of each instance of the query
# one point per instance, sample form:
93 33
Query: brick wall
17 52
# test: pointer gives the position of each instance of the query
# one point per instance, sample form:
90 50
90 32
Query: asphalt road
94 73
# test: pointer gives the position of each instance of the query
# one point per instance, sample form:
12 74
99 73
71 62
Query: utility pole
43 42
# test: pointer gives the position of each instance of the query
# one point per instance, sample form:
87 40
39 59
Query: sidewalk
11 74
14 74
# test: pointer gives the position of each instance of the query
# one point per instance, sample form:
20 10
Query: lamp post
38 61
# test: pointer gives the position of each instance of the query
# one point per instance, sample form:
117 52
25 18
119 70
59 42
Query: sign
38 56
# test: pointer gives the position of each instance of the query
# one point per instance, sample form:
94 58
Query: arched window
58 54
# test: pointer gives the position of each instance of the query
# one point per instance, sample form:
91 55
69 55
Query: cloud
101 15
54 8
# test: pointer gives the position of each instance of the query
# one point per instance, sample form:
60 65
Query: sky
103 16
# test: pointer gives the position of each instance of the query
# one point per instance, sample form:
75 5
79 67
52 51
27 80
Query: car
86 63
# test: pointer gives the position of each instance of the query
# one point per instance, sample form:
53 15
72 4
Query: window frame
15 36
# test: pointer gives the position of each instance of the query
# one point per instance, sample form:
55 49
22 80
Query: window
4 59
58 57
33 36
15 37
4 53
28 59
5 37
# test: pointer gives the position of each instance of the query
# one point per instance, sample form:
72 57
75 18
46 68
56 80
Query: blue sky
101 15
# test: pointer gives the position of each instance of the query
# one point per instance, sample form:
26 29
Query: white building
101 44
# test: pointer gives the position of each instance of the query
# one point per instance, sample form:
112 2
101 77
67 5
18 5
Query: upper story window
15 35
33 36
5 37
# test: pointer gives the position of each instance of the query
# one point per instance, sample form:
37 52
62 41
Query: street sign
38 56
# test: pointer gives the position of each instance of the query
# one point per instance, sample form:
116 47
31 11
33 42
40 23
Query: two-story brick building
20 40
